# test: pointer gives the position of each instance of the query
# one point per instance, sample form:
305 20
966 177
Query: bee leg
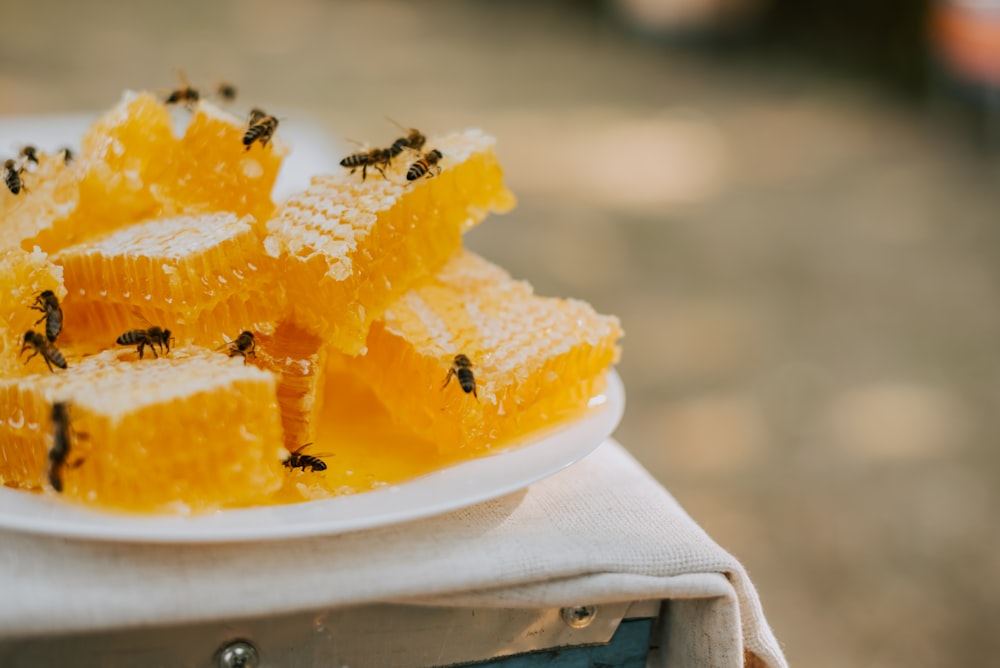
30 356
364 172
380 171
48 364
140 348
152 346
447 379
55 480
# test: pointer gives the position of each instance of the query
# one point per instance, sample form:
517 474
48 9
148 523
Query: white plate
451 488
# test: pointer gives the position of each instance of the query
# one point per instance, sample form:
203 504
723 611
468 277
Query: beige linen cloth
602 530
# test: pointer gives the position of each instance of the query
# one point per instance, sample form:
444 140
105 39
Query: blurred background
791 204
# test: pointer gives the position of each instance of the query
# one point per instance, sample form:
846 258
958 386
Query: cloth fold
602 530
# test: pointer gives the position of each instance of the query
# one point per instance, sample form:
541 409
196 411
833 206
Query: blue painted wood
626 649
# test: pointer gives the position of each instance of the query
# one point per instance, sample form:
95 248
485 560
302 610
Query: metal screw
579 617
238 654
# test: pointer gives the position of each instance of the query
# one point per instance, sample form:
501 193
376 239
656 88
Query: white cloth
603 530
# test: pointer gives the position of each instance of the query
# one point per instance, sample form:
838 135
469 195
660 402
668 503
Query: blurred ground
806 268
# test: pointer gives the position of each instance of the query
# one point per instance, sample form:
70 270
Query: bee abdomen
354 160
251 135
56 358
130 337
466 380
416 170
53 325
13 182
314 463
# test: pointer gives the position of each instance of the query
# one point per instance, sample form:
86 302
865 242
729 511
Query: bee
414 140
61 442
378 158
186 93
226 92
12 177
30 153
47 303
261 127
67 155
428 165
461 368
37 342
152 336
297 460
243 344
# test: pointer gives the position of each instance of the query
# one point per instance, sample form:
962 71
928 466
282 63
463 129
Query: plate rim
552 450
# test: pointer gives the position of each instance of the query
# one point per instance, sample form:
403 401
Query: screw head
238 654
579 617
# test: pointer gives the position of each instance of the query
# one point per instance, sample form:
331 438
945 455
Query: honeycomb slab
203 277
534 360
349 247
127 450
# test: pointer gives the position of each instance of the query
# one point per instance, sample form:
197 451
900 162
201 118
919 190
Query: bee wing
141 317
228 342
318 455
301 448
183 78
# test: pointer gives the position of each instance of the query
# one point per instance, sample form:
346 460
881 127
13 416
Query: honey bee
61 442
37 342
226 92
151 336
297 460
261 127
414 140
461 368
377 158
12 177
186 93
67 155
30 153
47 303
243 344
428 165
